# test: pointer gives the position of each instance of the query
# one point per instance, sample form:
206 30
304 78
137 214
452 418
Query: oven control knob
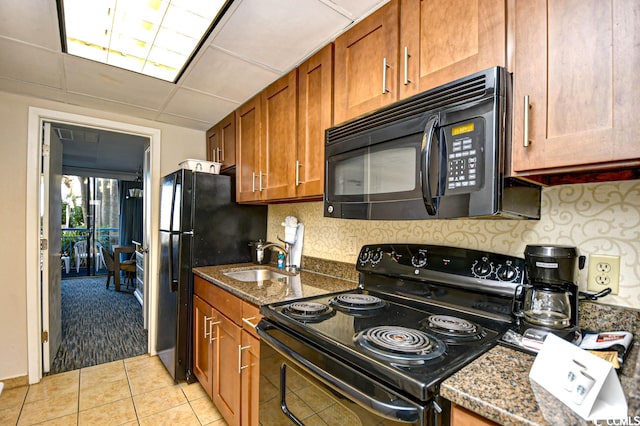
482 268
419 260
376 257
364 256
508 272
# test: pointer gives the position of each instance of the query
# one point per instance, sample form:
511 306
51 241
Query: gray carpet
98 325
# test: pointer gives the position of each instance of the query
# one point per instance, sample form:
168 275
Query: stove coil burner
454 327
308 311
400 345
357 303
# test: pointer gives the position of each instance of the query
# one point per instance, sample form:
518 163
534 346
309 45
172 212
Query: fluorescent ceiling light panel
152 37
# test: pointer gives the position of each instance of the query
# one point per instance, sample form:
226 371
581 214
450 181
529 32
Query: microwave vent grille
461 91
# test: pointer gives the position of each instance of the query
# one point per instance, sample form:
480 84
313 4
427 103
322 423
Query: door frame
34 318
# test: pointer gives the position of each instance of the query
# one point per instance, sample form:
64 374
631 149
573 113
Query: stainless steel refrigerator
200 224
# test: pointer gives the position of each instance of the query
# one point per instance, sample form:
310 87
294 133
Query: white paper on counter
605 400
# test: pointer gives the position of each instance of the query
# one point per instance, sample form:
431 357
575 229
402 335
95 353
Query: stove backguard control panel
485 271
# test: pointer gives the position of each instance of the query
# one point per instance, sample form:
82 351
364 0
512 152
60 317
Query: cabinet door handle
525 125
206 318
211 324
219 153
385 65
253 181
406 66
297 172
248 322
240 366
260 181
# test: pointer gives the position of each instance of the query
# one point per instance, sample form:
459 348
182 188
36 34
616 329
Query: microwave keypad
463 164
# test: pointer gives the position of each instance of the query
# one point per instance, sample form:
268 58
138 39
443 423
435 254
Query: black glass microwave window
465 156
376 171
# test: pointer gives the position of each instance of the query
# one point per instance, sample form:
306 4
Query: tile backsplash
597 218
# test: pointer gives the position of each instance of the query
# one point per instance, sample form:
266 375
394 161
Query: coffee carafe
548 302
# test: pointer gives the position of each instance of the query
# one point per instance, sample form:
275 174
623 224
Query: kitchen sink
254 275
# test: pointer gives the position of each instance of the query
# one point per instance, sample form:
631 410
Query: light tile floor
134 391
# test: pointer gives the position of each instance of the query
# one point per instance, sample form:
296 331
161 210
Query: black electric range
421 313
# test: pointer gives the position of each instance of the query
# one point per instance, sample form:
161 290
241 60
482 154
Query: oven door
300 384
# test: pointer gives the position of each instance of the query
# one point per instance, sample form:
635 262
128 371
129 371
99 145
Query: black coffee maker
548 302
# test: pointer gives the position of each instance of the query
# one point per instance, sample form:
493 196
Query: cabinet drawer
250 317
223 301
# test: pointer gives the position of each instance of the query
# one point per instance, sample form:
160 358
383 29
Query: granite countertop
303 284
497 385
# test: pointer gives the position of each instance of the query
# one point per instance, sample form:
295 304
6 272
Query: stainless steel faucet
286 249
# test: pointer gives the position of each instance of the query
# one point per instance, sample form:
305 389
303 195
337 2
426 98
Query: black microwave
440 154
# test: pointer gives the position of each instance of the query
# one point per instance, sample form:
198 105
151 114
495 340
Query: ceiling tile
103 81
107 105
32 21
235 79
356 8
31 64
279 33
199 106
34 90
184 122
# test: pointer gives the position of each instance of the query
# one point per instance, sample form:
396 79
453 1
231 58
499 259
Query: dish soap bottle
280 261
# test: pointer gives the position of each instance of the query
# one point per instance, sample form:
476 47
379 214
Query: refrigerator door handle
173 282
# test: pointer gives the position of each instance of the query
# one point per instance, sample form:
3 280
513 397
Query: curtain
130 213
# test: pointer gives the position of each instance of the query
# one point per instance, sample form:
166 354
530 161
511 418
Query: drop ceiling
255 43
100 153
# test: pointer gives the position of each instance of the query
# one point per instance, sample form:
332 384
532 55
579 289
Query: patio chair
80 254
129 266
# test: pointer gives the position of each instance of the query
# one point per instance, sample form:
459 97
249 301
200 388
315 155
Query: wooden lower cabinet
250 378
463 417
203 344
226 374
226 355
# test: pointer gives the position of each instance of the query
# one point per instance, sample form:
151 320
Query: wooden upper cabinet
443 40
577 62
248 136
315 114
221 142
278 142
366 64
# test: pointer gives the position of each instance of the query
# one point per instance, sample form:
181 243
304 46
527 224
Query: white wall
178 143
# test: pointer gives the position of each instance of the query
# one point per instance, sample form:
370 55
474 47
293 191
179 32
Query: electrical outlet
352 245
604 271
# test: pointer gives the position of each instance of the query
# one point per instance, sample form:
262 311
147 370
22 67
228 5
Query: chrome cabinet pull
385 65
240 366
248 322
211 324
525 125
406 66
260 181
297 173
206 318
253 181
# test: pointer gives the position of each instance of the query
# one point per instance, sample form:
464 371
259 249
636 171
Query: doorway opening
101 218
40 255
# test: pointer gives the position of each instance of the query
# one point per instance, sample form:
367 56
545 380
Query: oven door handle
425 162
397 409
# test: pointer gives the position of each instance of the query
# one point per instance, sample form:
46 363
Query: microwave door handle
425 160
